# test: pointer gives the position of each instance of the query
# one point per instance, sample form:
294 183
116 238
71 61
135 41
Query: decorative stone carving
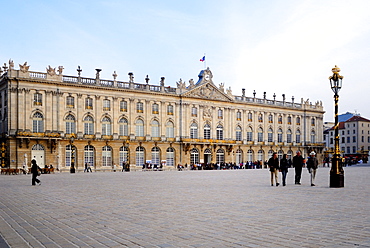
207 113
181 84
229 91
60 69
50 71
11 64
24 68
208 91
221 87
191 83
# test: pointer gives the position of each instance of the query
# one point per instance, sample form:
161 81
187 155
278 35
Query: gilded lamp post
336 172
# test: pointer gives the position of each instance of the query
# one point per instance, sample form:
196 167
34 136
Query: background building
354 136
59 119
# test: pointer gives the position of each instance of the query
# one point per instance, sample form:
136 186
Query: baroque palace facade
59 120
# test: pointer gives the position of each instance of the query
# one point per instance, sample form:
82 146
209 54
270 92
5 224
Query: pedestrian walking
284 165
298 162
273 164
312 164
35 172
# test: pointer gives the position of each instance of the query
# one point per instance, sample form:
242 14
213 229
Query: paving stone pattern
233 208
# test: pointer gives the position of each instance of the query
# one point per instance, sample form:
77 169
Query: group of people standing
298 163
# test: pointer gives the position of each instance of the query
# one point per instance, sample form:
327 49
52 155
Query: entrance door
207 156
38 153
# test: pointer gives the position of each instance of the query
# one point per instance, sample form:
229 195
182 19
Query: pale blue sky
283 46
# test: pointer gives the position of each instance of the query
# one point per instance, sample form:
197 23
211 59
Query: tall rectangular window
106 105
89 103
37 99
70 102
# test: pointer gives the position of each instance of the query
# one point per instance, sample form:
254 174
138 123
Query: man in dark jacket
35 172
298 162
312 164
273 164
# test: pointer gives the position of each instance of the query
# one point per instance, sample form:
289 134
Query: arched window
239 156
220 132
140 156
155 128
155 108
260 155
289 136
70 124
123 155
123 127
68 158
250 155
194 131
289 120
280 154
313 136
139 107
238 133
280 135
249 134
107 156
270 153
156 156
89 125
207 131
298 136
170 132
38 123
194 156
312 121
220 156
260 134
170 156
139 128
89 156
289 155
270 135
106 126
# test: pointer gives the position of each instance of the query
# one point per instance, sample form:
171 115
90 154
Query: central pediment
207 91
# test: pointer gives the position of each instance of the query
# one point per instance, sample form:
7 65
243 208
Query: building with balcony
62 120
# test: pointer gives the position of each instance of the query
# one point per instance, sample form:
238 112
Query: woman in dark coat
284 165
35 172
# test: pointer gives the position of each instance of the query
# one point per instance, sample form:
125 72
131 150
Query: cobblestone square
229 208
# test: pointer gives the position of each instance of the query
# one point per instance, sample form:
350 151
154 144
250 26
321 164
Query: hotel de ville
67 120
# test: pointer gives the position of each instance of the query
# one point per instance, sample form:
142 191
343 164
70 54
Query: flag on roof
203 59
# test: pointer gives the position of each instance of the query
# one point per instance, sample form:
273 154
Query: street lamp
336 172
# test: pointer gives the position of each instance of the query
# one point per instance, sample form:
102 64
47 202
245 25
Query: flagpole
205 63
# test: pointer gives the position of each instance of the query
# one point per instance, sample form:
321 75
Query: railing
87 81
124 85
107 83
38 75
69 79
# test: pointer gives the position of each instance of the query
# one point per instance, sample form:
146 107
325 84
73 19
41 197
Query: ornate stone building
59 119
